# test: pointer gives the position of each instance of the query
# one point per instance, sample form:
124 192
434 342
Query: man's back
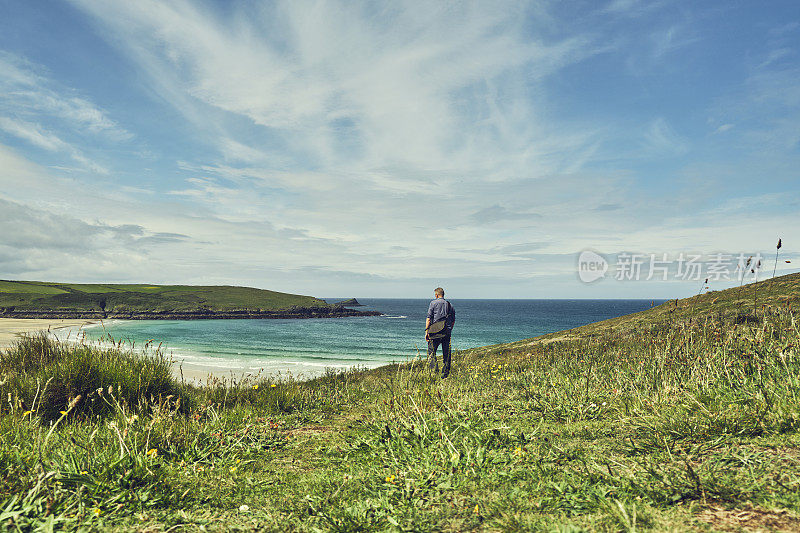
442 309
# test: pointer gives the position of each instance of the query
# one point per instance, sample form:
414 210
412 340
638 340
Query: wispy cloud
26 91
29 100
37 136
497 213
671 39
277 142
348 84
33 134
661 139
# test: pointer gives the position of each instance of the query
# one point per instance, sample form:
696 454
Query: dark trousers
433 363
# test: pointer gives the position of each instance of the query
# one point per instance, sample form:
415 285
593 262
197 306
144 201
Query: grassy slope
661 421
38 296
730 304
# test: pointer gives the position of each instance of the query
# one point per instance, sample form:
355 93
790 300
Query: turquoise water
307 347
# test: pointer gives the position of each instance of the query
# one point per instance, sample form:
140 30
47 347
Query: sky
381 149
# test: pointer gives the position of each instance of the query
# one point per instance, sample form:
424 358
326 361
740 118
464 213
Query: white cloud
346 84
671 39
35 135
345 143
25 91
661 139
724 127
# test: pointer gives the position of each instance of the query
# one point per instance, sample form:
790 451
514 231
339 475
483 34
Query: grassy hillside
681 418
740 304
20 297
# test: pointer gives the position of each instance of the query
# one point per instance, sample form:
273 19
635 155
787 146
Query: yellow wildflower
63 412
255 387
152 452
84 472
97 512
476 509
273 385
390 479
26 413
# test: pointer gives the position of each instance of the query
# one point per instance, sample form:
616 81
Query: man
440 309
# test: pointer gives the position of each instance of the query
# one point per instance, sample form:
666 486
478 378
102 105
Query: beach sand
12 328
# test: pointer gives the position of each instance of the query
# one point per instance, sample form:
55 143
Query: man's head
438 292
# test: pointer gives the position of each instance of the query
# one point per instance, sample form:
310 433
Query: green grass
666 423
25 296
44 376
28 287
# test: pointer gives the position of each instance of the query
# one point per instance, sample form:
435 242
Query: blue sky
382 149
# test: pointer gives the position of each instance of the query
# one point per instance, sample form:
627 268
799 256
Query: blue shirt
441 308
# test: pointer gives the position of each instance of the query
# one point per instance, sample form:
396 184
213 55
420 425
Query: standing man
438 328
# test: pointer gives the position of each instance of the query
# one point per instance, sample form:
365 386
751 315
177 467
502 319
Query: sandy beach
12 328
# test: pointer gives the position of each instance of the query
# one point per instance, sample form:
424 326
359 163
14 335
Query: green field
33 296
684 417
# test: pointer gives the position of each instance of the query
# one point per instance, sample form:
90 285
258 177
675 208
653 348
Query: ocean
306 347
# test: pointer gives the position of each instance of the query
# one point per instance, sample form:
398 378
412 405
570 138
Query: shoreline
185 367
12 329
199 314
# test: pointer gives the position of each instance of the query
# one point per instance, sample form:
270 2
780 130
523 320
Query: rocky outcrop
352 302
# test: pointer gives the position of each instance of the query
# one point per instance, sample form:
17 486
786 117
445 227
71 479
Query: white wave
389 316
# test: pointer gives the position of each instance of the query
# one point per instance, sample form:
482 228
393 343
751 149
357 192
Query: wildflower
476 511
390 479
233 470
97 512
26 413
519 451
255 387
244 508
273 385
152 452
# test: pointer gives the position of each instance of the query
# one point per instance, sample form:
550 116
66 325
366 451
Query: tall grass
642 428
43 376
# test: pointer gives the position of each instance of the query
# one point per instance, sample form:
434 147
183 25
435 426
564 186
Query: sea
304 348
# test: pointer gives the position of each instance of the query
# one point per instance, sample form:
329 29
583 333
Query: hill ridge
39 299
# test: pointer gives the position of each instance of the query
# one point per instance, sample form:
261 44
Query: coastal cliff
33 299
